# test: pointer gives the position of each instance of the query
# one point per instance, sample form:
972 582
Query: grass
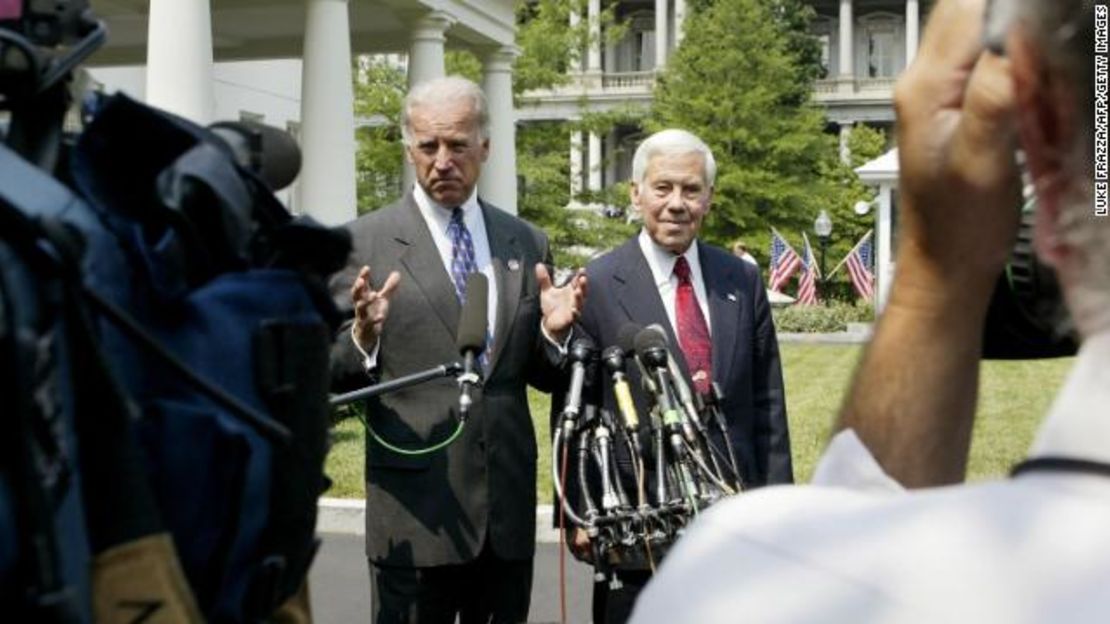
1013 396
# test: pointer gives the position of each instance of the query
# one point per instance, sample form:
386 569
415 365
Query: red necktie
693 333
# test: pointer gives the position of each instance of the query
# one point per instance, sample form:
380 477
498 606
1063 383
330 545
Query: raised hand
371 307
560 305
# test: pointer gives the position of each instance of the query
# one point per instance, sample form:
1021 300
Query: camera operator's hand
371 307
957 140
913 400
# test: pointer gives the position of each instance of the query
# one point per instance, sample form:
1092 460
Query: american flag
784 262
859 268
807 283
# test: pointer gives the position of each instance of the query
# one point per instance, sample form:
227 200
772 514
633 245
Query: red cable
562 539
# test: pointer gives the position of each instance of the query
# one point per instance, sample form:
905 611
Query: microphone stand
443 370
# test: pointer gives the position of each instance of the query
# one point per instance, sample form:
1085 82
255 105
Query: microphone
614 360
580 353
267 151
471 338
685 396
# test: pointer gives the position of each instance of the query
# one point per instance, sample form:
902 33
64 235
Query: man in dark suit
713 308
449 533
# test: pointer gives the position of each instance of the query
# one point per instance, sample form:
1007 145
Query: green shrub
831 317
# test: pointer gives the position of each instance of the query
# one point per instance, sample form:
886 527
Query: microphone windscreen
648 339
626 337
582 348
270 152
475 315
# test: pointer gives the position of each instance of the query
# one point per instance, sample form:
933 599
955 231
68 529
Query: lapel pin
514 264
731 297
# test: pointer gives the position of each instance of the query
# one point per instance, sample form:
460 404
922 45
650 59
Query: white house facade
865 44
195 54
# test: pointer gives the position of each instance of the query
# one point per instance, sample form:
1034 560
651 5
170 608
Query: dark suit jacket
437 509
745 352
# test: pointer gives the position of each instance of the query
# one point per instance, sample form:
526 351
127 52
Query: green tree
736 82
379 88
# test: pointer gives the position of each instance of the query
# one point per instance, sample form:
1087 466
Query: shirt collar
1078 425
440 215
661 260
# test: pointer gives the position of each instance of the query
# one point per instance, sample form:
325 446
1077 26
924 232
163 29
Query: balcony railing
863 88
625 80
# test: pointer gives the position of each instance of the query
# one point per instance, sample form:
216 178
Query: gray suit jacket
438 509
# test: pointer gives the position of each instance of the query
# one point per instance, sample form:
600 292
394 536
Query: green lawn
1013 397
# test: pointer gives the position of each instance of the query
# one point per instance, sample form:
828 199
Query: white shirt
1034 548
661 261
438 218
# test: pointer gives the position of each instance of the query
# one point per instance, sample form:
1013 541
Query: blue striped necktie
463 263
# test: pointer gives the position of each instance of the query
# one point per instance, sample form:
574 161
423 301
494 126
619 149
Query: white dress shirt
1033 548
662 263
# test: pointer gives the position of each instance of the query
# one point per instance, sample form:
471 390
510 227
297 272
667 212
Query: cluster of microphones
680 456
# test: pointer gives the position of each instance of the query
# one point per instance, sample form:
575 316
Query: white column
326 189
913 26
498 182
593 57
575 165
660 33
884 263
179 58
425 62
845 150
426 52
679 20
847 39
593 182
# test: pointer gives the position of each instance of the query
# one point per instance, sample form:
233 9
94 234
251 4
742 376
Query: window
880 45
251 117
881 54
825 43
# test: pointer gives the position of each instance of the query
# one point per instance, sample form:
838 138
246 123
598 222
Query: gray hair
1063 32
446 89
672 141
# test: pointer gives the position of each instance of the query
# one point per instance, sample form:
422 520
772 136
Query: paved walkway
340 586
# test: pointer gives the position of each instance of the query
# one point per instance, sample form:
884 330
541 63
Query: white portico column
498 182
426 62
426 52
847 52
660 33
845 135
327 183
679 20
593 57
913 26
575 165
593 182
179 58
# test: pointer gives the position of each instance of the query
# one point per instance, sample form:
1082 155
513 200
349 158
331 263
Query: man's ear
634 194
485 149
408 153
1046 128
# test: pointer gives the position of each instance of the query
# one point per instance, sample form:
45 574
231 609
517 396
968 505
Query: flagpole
809 257
849 254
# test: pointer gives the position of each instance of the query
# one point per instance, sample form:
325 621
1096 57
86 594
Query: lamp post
822 225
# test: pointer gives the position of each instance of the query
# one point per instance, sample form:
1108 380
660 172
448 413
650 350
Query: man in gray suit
449 533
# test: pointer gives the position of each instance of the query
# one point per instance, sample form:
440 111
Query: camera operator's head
1051 45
